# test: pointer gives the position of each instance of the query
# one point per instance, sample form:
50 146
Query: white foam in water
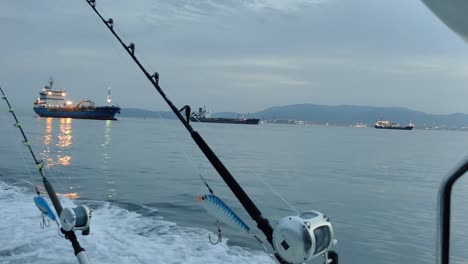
117 236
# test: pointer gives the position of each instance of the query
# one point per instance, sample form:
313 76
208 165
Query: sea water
141 178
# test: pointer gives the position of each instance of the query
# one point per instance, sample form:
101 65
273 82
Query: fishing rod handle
82 257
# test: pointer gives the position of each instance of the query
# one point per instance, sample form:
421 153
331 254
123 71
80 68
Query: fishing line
68 216
262 180
181 146
27 168
262 223
194 166
14 138
192 162
205 182
52 149
18 149
64 181
295 239
49 154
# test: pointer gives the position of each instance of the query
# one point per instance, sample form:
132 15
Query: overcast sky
237 55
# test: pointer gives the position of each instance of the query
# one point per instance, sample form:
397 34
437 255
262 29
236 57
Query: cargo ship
383 124
204 116
53 103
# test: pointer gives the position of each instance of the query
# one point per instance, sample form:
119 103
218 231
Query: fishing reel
303 237
77 218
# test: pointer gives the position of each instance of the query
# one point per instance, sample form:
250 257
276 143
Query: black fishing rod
244 199
280 243
71 218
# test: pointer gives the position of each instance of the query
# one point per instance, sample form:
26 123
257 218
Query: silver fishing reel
300 238
77 218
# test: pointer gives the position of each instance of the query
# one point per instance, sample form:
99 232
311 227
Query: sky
236 55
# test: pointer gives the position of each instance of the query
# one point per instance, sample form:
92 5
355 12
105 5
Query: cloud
426 67
277 51
161 11
266 80
285 63
281 5
9 19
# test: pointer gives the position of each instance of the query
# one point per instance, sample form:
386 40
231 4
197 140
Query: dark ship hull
248 121
394 127
99 113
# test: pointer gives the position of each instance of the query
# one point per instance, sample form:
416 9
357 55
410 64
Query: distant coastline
340 115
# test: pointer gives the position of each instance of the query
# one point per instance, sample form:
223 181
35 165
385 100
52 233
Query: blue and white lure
223 214
44 207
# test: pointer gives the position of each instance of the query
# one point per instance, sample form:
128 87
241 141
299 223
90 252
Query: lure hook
45 222
220 236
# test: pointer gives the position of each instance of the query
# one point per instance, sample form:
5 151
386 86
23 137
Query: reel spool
300 238
77 218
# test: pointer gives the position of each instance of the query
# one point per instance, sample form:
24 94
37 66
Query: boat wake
117 236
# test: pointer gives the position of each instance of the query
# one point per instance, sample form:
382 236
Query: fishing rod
71 219
295 239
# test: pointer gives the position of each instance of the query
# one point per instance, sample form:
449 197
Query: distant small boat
52 103
204 116
384 124
360 125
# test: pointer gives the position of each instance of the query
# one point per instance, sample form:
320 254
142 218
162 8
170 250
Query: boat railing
444 206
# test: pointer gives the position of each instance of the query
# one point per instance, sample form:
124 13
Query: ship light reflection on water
65 137
64 161
112 192
63 141
48 139
48 132
70 195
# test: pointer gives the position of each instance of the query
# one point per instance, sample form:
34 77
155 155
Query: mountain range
334 115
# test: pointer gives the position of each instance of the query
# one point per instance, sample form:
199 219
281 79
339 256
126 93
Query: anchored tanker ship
52 103
384 124
204 116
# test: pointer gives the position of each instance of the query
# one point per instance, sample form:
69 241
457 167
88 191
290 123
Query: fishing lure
293 239
41 203
223 214
217 208
44 207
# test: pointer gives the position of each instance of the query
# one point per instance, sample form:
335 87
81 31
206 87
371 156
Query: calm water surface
141 176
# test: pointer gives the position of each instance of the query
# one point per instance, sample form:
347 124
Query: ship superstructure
53 103
49 97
